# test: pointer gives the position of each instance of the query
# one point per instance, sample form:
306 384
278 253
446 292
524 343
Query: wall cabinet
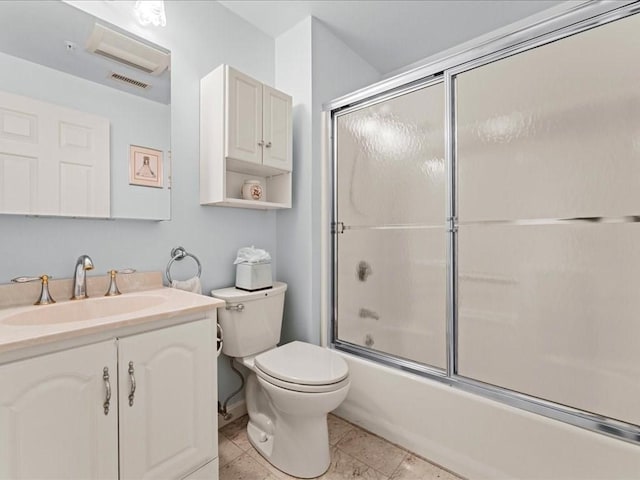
159 422
245 134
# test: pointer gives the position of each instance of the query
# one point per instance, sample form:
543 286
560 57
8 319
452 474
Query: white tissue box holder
253 276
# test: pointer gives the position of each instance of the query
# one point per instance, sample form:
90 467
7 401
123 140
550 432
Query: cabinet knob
261 143
268 145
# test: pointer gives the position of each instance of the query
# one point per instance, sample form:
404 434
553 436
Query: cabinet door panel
277 129
170 427
244 118
52 421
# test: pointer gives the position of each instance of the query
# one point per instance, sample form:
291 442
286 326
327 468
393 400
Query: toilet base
301 452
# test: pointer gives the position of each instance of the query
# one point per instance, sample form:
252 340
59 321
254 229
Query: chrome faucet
83 264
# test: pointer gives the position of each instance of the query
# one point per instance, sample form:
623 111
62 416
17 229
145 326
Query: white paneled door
53 160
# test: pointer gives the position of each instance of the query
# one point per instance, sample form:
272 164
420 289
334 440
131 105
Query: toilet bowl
290 389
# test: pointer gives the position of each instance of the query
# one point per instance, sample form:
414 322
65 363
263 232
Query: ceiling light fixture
150 12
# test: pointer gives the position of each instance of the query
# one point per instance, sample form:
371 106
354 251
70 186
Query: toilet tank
250 321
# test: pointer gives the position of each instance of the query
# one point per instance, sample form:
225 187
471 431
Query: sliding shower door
487 223
548 159
390 249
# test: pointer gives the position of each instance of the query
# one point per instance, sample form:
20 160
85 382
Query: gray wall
315 67
201 35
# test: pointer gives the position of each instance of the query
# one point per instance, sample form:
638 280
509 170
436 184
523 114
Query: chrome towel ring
179 253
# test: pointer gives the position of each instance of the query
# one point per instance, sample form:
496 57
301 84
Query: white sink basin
82 310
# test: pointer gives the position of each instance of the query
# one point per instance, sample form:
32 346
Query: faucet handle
45 296
113 287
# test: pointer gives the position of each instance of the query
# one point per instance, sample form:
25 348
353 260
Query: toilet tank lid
233 294
303 363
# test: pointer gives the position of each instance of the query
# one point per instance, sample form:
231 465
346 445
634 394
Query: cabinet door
243 118
52 419
277 130
168 428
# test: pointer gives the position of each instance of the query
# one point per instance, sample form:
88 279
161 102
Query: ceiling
390 34
54 34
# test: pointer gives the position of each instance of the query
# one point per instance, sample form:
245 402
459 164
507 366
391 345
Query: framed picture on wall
145 167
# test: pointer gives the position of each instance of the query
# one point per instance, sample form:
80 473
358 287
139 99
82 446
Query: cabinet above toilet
245 134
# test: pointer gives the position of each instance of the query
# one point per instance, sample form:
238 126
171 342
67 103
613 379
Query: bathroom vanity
122 387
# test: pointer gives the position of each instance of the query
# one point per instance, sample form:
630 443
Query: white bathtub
477 437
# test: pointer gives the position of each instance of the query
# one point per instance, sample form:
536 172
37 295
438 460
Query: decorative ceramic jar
252 190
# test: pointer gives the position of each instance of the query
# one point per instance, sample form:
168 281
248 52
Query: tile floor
355 453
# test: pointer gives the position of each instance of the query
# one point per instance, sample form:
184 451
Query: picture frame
145 167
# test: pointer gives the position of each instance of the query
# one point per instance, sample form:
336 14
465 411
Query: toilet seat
302 367
297 387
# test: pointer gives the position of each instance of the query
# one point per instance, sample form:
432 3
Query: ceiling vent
126 50
129 81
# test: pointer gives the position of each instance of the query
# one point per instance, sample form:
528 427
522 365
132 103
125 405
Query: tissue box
253 276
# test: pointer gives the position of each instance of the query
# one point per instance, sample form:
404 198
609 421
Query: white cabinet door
53 160
169 426
277 130
244 117
52 420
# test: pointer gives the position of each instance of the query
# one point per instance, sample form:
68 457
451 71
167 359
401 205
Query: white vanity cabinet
52 420
167 424
245 134
52 408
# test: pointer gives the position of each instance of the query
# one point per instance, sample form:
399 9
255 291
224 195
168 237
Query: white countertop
171 304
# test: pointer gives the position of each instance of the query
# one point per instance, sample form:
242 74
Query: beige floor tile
338 428
265 463
244 468
227 450
372 450
236 431
413 468
344 466
234 427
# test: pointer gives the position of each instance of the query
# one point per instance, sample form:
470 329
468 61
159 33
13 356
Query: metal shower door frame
574 20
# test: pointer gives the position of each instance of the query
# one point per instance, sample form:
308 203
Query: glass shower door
390 285
548 156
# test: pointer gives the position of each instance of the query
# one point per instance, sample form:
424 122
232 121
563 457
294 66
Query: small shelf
240 203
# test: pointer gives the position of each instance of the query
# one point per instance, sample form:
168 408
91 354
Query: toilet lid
303 363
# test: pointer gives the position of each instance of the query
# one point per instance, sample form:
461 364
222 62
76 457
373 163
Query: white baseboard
236 410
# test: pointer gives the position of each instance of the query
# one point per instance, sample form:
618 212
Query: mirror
46 60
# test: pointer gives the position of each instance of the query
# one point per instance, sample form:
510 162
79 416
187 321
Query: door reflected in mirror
64 71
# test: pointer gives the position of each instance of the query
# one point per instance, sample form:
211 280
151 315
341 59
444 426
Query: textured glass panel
391 161
553 132
391 292
553 311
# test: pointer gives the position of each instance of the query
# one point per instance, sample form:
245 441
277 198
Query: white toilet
290 388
